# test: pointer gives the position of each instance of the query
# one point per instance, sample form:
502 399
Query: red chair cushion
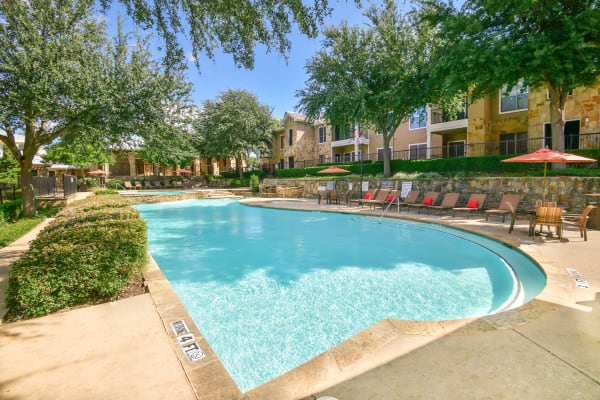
368 196
428 201
473 204
391 198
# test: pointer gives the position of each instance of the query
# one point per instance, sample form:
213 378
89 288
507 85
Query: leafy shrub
92 182
87 255
247 174
116 184
102 192
254 183
10 211
244 182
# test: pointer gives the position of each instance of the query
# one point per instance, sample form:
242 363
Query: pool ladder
388 207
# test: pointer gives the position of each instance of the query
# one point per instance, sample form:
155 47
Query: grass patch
14 230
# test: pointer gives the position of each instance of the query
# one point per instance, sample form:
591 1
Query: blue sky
272 80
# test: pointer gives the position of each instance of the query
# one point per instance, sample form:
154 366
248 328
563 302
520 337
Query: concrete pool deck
547 349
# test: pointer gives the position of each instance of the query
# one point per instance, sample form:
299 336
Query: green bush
254 183
244 182
10 211
86 256
234 174
116 184
103 192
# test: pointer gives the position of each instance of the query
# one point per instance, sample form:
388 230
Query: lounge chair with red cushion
380 197
370 195
429 199
392 197
475 203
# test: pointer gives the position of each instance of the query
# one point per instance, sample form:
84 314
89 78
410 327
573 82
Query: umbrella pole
544 194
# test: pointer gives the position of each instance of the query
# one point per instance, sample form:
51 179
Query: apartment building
514 121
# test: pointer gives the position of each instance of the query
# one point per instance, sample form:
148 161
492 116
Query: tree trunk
387 169
557 122
26 161
238 164
27 192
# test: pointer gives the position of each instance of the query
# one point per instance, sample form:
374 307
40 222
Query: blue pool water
271 289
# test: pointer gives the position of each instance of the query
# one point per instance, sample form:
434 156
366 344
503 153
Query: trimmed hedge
91 252
452 167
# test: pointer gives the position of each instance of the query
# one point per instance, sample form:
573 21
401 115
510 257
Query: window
290 137
417 151
513 143
322 134
281 142
515 99
418 119
290 162
338 157
321 158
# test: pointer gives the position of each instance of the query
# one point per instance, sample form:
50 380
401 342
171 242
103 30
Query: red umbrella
545 155
333 170
97 172
183 171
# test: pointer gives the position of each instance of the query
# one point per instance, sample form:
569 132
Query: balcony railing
438 117
461 149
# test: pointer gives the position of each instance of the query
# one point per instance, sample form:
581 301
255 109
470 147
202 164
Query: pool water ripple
271 289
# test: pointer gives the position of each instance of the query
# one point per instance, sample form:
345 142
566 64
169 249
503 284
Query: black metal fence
458 149
54 186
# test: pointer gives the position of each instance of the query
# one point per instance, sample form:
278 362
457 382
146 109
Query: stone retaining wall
567 191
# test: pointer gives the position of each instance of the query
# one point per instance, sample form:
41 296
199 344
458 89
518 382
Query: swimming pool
271 289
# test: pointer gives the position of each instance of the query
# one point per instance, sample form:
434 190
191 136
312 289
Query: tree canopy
490 44
236 27
368 75
61 79
234 124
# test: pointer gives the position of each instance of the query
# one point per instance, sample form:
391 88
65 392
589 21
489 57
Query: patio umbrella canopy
183 171
545 155
333 170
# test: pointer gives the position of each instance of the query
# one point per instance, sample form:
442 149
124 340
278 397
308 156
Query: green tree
490 44
367 75
78 153
234 125
235 27
9 170
61 78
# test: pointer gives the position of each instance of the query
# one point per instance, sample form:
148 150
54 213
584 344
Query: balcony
364 139
441 121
